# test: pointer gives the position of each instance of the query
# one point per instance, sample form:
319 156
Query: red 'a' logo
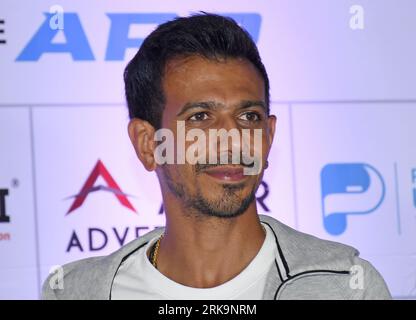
112 186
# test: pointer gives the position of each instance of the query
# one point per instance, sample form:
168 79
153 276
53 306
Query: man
205 73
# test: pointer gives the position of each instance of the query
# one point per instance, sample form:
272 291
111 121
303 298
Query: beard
228 205
230 202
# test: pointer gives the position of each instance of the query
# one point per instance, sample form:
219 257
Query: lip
227 173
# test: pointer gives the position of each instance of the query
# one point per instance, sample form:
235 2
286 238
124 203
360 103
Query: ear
141 134
271 127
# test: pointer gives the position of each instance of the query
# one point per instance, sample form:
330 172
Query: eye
200 116
250 116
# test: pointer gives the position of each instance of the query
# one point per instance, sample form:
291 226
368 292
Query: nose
228 123
226 144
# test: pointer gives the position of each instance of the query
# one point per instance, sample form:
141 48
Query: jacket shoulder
366 283
325 268
91 278
59 277
302 252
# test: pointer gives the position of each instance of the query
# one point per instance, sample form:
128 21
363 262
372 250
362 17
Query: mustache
203 166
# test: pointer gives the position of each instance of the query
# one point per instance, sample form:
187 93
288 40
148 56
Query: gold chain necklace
156 251
157 245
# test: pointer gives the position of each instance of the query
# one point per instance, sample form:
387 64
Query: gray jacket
305 267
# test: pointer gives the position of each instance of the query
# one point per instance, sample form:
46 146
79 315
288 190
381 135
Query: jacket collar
297 253
300 253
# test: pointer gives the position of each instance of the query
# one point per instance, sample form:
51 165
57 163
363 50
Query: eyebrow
212 105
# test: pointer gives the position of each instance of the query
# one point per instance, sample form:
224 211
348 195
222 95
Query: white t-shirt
138 279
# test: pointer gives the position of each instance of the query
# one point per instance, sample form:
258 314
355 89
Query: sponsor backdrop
343 165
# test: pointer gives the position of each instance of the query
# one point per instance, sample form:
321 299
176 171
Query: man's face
207 94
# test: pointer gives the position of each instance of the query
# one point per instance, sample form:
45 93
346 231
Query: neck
203 252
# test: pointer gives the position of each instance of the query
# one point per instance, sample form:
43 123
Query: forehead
197 79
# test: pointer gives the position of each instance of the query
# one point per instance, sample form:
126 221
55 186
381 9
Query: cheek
178 173
185 174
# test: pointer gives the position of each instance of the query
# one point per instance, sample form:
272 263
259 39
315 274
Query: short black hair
208 35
